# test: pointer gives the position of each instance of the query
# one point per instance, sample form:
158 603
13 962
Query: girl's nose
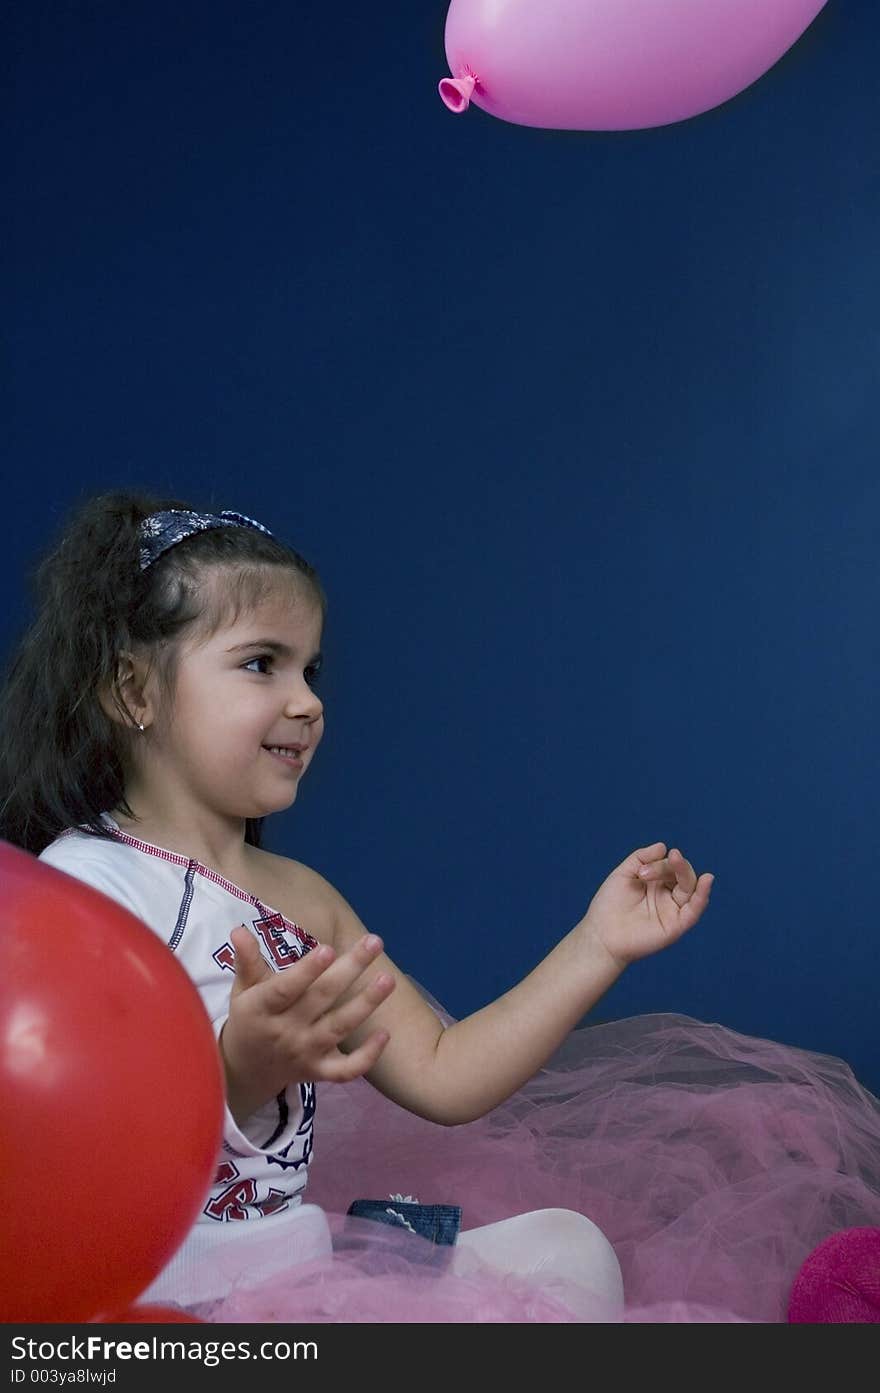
304 702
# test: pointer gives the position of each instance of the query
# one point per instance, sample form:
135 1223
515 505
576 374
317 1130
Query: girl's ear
125 701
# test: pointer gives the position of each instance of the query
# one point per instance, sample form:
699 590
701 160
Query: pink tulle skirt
713 1162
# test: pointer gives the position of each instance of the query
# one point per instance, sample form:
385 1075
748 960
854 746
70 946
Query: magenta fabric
840 1281
713 1161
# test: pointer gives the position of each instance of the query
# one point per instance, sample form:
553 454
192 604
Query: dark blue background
580 430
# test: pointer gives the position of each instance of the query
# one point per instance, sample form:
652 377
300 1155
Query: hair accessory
161 531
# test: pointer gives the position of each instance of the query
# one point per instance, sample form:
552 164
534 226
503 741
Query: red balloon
111 1098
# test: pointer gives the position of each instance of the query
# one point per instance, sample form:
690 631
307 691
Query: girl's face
246 721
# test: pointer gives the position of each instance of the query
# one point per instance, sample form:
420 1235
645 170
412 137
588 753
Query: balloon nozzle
456 92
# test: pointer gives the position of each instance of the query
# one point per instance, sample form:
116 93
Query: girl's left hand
647 903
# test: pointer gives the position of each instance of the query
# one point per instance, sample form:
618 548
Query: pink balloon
612 65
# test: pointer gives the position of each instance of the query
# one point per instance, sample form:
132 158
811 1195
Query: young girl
164 702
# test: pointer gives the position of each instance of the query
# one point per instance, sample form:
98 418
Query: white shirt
263 1165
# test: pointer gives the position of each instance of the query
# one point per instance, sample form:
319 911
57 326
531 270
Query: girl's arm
458 1074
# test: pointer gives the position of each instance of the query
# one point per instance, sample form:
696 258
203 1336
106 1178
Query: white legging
556 1246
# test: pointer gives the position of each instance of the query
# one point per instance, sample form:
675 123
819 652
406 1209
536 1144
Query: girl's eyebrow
281 649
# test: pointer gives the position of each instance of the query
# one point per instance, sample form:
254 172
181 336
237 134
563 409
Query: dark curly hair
62 757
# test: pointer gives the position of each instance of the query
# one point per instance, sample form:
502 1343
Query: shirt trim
176 859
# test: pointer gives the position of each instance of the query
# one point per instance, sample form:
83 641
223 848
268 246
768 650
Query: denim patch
439 1223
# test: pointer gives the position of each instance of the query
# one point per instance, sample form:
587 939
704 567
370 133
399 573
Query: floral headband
161 531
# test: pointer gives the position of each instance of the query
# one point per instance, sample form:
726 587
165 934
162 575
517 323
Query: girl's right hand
287 1027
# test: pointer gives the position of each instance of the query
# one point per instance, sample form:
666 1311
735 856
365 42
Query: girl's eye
311 673
263 658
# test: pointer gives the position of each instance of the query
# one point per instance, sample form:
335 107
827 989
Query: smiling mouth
290 753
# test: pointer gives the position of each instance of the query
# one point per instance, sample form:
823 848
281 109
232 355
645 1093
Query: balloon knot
456 92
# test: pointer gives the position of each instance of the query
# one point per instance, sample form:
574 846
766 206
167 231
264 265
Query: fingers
649 854
673 872
323 976
690 912
684 877
338 1024
288 987
250 965
342 1068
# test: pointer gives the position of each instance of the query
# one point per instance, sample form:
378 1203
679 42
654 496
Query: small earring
141 726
